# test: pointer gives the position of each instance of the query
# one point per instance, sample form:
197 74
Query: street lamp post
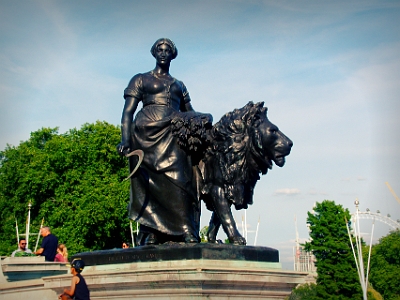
358 257
28 224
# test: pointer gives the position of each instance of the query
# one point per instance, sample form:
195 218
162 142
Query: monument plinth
185 271
180 251
172 271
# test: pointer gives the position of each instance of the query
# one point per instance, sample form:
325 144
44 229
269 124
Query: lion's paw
238 240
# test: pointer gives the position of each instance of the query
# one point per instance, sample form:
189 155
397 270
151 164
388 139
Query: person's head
166 42
45 231
125 245
22 244
77 265
62 249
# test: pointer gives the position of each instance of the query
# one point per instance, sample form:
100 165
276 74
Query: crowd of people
50 248
55 252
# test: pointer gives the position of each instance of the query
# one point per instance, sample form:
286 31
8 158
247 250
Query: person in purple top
48 248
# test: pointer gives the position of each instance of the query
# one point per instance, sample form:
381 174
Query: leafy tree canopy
203 234
385 266
73 180
337 273
307 291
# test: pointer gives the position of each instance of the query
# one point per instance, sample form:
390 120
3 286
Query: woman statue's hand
123 148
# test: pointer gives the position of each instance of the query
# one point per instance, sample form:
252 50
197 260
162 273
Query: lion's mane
192 132
237 150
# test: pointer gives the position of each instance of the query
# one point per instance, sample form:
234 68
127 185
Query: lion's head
270 142
245 143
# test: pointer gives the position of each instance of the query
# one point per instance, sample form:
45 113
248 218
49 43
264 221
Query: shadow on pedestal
180 251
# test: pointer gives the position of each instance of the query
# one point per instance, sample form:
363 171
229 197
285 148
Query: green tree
373 294
73 180
203 234
307 291
337 274
385 266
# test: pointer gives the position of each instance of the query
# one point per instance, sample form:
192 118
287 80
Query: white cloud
314 191
287 191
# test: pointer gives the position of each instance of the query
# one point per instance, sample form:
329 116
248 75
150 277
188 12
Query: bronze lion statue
227 160
243 144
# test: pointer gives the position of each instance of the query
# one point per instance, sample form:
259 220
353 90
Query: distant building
304 261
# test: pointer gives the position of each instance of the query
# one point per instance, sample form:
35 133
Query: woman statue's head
166 42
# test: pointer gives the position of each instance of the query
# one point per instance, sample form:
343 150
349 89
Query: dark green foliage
385 266
306 291
73 180
23 254
337 273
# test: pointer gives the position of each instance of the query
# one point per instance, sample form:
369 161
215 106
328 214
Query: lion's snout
282 149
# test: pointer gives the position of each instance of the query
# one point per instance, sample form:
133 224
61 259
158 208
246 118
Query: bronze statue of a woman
163 197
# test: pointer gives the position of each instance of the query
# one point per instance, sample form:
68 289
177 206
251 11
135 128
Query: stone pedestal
30 267
205 271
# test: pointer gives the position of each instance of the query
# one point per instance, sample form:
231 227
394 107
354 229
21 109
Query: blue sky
328 71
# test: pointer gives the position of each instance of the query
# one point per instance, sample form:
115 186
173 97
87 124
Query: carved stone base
30 267
186 278
180 251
